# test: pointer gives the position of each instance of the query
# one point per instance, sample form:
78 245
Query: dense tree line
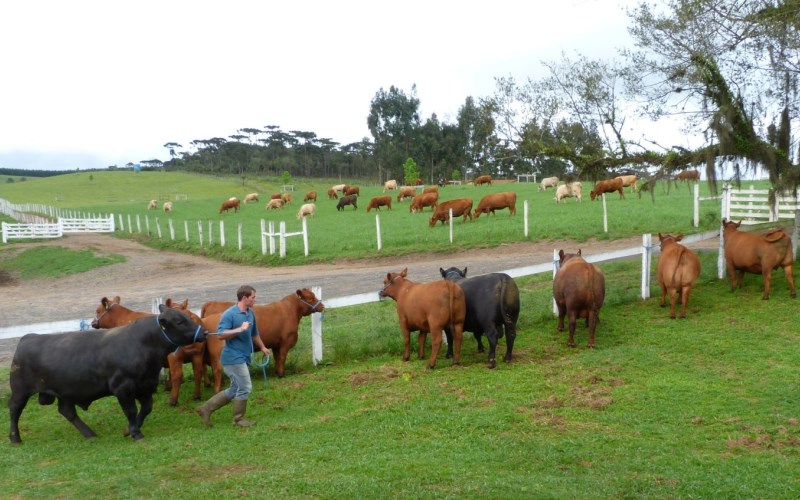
728 69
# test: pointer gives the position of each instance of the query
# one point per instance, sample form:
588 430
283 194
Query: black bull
492 308
78 368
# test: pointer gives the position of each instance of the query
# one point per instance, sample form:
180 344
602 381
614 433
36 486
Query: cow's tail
452 291
508 286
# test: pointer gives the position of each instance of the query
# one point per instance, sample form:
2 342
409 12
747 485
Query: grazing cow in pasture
628 180
757 253
608 186
497 201
390 185
483 179
688 175
152 205
406 192
431 189
354 190
579 289
332 194
78 368
548 182
251 197
310 196
307 209
427 307
339 187
460 206
492 308
347 200
571 190
277 324
380 201
229 204
276 196
424 200
275 204
168 207
678 269
287 198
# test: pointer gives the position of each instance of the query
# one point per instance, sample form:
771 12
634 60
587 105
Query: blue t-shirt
237 349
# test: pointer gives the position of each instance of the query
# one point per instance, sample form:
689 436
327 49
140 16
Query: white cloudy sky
88 84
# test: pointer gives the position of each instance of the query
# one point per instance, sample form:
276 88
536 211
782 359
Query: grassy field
704 407
349 233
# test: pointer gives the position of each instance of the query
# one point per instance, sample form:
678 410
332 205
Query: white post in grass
239 235
605 214
525 213
186 229
138 224
200 232
222 233
316 329
263 237
451 224
147 225
305 236
697 205
171 230
378 230
283 239
646 259
158 228
556 264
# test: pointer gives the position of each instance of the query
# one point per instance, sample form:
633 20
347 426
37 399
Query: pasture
349 233
702 407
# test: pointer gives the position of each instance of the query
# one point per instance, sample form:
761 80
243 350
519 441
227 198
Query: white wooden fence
56 229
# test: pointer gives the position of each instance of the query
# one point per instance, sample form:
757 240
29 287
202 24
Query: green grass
704 407
54 261
349 234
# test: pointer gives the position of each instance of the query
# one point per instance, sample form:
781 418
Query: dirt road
148 274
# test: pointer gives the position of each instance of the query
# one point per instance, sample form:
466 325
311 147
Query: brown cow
431 189
275 204
608 186
424 200
427 307
757 253
483 179
380 201
287 198
497 201
354 190
332 194
406 192
688 175
579 290
678 269
233 203
310 196
460 206
277 324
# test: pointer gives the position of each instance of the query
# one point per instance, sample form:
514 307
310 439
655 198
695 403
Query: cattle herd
77 368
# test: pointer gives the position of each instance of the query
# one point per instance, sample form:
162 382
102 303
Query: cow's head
453 273
390 283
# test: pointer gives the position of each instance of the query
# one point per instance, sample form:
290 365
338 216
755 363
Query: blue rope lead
262 363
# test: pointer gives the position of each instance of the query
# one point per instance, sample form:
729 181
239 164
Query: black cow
78 368
492 308
347 200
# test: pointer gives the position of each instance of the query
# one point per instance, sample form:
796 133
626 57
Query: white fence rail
56 229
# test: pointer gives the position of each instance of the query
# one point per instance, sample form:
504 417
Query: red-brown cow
233 203
758 254
460 206
431 189
497 201
406 192
424 200
310 196
608 186
354 190
483 179
427 307
688 175
579 289
380 201
678 269
277 324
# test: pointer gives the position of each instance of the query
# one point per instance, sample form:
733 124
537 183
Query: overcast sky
88 84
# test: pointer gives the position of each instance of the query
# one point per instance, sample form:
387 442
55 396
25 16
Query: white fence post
186 229
282 240
171 230
222 233
697 205
263 237
556 264
646 260
377 230
158 228
305 236
605 214
239 235
316 329
451 224
200 232
525 215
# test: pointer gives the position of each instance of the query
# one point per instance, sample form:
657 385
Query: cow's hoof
590 346
572 344
672 316
663 305
173 402
138 436
794 295
196 398
765 297
492 365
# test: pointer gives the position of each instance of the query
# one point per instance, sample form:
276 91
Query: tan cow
153 204
571 190
275 204
390 185
497 201
168 206
251 197
406 192
548 182
287 198
307 209
628 180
